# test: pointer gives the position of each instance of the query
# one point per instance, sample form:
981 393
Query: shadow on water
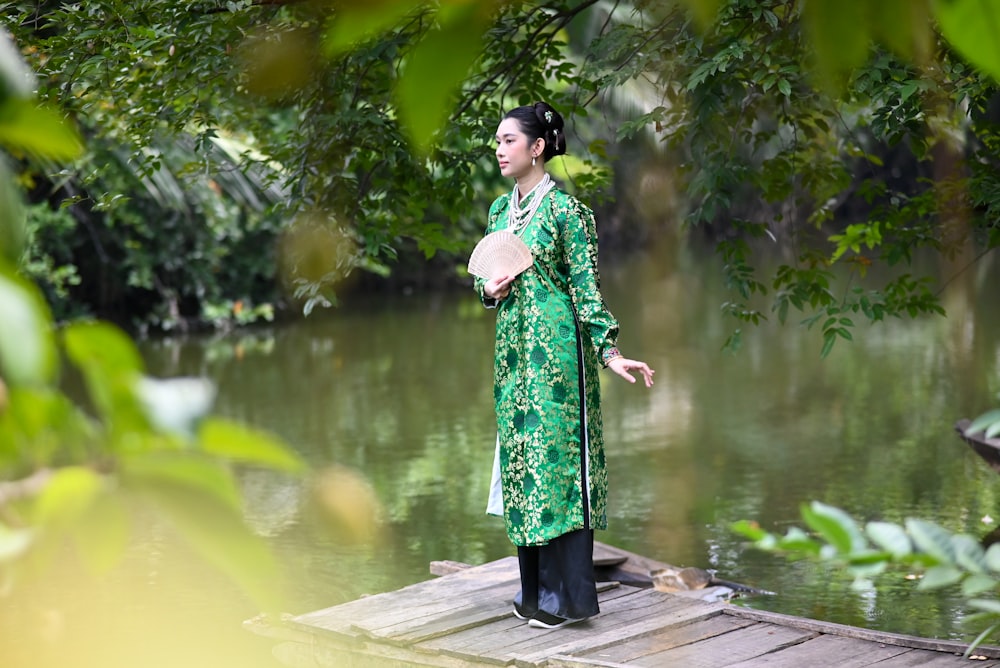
400 389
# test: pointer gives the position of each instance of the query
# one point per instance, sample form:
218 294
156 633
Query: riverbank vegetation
243 158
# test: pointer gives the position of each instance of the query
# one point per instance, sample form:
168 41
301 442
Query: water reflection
400 390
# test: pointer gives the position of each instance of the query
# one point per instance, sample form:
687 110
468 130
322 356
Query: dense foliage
234 148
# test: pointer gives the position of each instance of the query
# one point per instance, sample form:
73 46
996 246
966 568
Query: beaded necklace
518 216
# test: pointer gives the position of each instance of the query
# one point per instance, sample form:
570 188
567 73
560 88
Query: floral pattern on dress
541 354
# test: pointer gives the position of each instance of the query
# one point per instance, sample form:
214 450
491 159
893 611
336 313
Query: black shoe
521 614
543 620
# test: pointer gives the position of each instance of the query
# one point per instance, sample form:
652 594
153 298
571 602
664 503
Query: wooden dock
465 618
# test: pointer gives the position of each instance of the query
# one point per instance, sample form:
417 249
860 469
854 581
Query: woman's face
513 150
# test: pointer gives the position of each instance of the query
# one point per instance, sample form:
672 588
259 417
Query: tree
786 119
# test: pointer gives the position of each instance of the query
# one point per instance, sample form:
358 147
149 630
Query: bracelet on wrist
610 354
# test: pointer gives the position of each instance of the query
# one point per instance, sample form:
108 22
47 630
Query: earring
532 161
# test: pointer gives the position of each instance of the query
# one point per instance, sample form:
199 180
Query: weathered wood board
465 618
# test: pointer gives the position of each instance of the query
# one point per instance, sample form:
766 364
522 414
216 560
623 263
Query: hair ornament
548 117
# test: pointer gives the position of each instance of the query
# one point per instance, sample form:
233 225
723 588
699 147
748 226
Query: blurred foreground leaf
972 26
236 442
437 66
26 127
111 365
201 500
27 344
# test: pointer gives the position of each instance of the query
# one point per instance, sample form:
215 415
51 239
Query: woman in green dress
553 334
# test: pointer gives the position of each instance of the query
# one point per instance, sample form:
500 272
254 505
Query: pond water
399 390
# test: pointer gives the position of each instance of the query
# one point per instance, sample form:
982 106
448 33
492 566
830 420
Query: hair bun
553 124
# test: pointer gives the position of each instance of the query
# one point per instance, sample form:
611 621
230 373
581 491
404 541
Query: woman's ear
539 146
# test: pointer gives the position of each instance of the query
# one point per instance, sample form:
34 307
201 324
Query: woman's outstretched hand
622 366
498 288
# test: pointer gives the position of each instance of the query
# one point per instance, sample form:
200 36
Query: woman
553 332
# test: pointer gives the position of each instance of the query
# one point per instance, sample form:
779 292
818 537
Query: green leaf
937 577
932 539
33 129
971 26
98 344
27 344
749 529
985 604
838 31
904 26
977 584
360 22
436 67
12 217
983 422
993 557
797 540
978 640
969 554
890 537
835 527
240 443
111 366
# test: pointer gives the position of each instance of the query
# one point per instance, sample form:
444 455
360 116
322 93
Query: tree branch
563 17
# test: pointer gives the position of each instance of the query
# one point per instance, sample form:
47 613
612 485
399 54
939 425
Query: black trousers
558 578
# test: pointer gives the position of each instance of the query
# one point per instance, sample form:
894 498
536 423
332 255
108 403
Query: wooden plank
501 641
930 659
488 639
860 633
402 620
826 650
342 618
738 645
627 625
561 661
665 639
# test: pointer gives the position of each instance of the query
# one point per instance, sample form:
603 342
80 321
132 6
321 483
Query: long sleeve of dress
491 226
579 247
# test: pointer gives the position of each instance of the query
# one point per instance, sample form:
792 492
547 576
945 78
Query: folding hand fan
500 253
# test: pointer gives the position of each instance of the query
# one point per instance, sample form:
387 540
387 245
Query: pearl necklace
518 216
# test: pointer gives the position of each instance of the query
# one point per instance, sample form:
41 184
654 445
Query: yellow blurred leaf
348 504
66 496
277 63
210 523
240 443
102 532
181 472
